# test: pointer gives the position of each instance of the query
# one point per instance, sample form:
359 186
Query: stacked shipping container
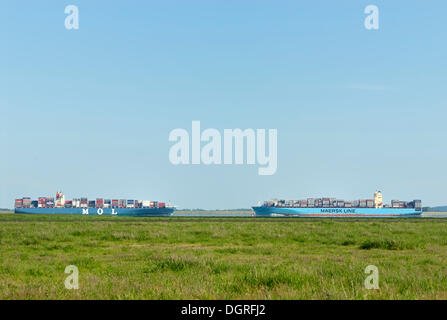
334 203
48 202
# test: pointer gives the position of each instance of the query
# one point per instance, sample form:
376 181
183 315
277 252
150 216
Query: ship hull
336 212
129 212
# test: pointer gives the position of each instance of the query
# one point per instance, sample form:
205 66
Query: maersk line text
211 153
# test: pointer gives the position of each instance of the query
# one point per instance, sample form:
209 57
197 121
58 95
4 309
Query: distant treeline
5 209
240 209
435 209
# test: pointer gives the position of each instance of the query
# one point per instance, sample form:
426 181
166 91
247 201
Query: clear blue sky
89 111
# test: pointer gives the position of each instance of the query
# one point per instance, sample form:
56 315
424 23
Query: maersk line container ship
332 207
100 206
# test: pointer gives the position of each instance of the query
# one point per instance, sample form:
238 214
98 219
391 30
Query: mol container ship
100 206
332 207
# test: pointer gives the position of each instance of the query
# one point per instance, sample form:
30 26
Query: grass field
221 258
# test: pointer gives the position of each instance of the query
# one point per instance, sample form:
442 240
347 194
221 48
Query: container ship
332 207
99 206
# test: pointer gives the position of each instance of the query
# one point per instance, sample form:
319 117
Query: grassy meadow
221 258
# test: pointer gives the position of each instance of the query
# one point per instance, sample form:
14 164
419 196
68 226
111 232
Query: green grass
221 258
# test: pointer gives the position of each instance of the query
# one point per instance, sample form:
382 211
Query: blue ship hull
129 212
336 212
